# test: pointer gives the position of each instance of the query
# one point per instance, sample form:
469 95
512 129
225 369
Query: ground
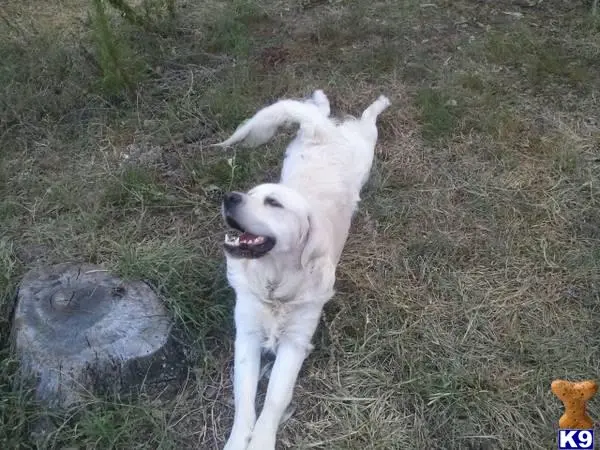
471 278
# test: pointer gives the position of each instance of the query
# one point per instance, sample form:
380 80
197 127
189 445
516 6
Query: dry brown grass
471 278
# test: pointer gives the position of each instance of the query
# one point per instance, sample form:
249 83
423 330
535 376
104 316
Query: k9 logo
575 439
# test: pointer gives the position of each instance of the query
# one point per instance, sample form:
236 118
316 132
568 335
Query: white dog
291 235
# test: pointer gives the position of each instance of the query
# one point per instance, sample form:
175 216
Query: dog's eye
270 201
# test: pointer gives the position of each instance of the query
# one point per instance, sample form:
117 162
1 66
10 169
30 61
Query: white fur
280 296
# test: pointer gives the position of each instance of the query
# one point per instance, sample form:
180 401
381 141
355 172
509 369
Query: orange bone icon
574 396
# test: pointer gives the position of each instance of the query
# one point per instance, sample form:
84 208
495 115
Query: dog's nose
232 199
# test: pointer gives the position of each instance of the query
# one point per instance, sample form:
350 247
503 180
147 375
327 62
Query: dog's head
270 218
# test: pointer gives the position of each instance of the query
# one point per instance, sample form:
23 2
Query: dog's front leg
285 371
245 379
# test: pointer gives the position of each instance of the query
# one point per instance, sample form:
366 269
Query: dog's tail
312 115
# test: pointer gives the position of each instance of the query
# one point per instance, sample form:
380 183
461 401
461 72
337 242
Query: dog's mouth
242 244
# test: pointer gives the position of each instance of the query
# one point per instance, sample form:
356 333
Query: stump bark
78 330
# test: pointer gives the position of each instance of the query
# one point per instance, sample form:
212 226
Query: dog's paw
236 443
384 101
263 435
262 442
320 99
238 439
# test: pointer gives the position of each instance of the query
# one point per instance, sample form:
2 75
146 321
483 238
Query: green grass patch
232 105
191 280
135 187
39 82
121 69
238 170
543 60
18 410
116 426
439 113
10 269
230 31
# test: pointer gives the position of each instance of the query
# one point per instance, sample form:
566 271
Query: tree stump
79 330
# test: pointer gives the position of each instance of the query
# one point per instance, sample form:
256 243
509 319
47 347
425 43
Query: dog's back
329 169
333 164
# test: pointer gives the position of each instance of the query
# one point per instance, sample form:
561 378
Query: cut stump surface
79 329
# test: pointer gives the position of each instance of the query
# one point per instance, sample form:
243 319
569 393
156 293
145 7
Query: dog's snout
232 199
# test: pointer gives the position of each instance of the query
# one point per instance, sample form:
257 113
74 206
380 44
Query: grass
471 276
438 113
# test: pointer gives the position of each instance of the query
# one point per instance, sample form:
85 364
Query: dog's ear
315 243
